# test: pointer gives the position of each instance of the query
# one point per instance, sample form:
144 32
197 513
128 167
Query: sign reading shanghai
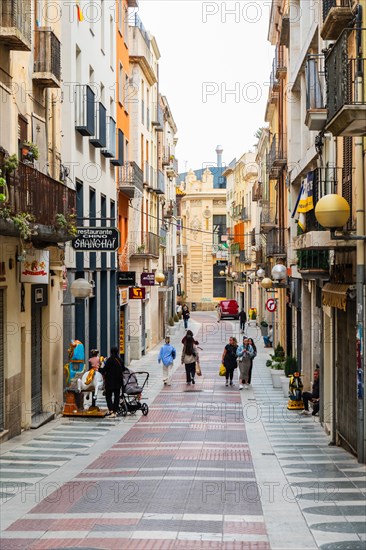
96 239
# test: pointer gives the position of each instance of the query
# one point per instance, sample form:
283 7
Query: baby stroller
131 393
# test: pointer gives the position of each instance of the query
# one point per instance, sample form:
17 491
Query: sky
214 70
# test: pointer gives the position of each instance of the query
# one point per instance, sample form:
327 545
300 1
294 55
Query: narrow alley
209 467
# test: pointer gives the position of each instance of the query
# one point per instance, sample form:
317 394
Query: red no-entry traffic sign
271 305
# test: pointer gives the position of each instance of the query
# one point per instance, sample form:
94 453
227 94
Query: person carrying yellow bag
222 370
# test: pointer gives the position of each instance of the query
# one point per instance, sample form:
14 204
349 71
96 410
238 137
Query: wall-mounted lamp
261 273
332 212
80 289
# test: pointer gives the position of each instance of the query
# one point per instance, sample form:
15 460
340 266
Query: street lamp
261 273
159 277
266 283
279 272
332 212
81 288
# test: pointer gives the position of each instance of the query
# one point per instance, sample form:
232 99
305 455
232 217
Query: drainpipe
360 174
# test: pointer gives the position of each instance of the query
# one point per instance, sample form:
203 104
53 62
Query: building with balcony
37 208
93 148
204 234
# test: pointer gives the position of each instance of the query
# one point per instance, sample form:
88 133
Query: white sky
214 56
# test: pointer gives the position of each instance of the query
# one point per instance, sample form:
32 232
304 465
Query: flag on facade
79 12
306 202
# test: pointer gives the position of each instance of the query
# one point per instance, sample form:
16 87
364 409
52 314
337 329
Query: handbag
222 370
198 369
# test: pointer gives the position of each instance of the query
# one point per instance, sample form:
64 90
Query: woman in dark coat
229 360
112 372
251 342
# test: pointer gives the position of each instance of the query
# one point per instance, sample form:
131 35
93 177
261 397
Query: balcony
346 90
35 193
273 93
15 24
110 149
275 243
245 214
139 49
162 237
182 249
84 110
268 216
172 168
280 62
316 111
337 14
157 119
244 257
144 245
165 159
130 179
47 59
313 264
170 210
100 138
257 191
236 211
160 183
277 156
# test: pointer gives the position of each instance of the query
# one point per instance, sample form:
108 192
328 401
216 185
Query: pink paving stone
64 498
48 544
70 524
15 544
30 525
244 528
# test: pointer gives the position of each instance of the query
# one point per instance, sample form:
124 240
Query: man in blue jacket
167 355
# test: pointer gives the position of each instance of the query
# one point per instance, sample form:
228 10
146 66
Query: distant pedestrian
245 353
189 358
229 360
178 309
167 355
270 336
186 315
242 320
113 376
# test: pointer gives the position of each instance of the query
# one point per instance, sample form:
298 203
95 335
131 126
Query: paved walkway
192 474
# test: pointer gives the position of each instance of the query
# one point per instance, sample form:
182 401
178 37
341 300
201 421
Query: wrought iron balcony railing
268 215
316 112
245 214
160 187
139 48
280 62
276 243
144 244
157 119
346 89
277 156
39 195
15 24
313 260
47 58
130 179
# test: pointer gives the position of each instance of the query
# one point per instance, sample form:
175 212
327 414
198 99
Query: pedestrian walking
167 355
113 376
270 337
242 320
189 358
186 315
245 353
189 333
229 360
312 396
251 342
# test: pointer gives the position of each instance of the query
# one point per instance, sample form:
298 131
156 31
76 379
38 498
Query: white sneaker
305 413
241 386
246 386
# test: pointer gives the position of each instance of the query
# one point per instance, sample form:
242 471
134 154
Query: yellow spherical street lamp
266 283
332 211
159 277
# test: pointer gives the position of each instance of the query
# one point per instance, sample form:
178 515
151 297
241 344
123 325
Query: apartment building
37 205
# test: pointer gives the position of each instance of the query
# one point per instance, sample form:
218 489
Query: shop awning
335 295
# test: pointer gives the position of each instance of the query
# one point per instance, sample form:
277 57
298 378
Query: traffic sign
271 305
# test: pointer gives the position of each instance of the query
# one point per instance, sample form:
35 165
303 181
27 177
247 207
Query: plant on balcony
30 151
141 248
4 194
66 223
22 222
10 164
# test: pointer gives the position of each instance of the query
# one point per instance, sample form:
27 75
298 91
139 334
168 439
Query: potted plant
4 193
30 151
277 367
141 248
10 164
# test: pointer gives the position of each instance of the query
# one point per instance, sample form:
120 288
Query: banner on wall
35 268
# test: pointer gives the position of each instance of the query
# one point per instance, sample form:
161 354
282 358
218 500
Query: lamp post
332 212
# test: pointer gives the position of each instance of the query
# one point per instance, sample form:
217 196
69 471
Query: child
94 360
167 355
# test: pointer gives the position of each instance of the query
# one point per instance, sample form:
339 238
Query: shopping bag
198 369
222 370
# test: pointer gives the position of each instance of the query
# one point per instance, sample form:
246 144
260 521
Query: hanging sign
35 267
147 279
96 239
137 293
126 278
271 305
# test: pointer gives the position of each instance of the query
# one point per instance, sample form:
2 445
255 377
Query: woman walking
245 353
189 358
251 342
229 360
113 372
186 315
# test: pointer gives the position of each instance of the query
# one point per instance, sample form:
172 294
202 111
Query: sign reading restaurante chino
96 239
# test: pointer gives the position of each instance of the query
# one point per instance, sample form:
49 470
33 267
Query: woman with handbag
229 360
245 354
189 358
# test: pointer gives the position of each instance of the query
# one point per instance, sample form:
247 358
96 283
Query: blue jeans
185 323
266 340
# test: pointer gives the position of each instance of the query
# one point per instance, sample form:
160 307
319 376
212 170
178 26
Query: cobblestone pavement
209 467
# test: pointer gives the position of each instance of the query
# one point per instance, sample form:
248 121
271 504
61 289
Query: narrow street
192 474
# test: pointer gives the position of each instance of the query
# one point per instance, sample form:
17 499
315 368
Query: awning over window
335 295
